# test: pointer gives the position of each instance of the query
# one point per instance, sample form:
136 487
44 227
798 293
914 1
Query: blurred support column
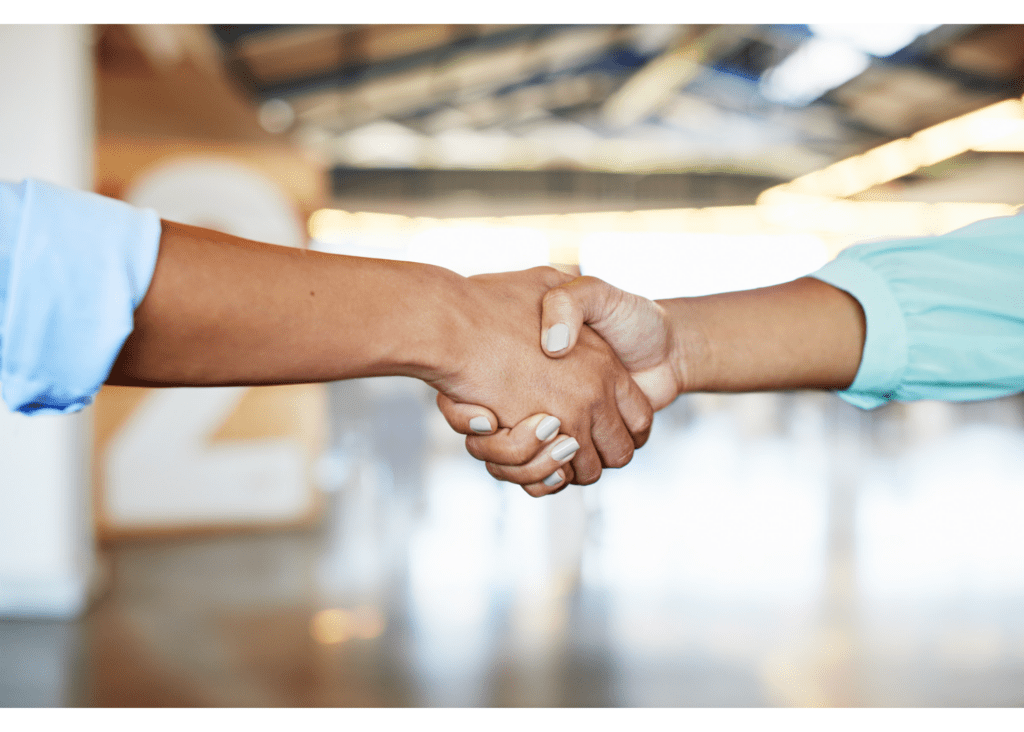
824 668
839 633
47 551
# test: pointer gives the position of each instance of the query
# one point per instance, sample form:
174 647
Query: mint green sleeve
945 314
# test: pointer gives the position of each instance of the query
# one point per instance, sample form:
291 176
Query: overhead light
467 148
982 129
337 625
832 56
878 39
385 144
276 115
817 66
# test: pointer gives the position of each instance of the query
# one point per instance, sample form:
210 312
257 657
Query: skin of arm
227 311
803 334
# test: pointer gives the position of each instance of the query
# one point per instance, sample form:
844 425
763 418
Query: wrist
689 345
433 346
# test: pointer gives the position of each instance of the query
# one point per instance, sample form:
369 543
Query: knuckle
473 448
620 458
640 438
644 426
519 454
588 477
588 281
557 297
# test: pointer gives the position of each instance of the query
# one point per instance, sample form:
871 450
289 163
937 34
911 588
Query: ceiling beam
348 75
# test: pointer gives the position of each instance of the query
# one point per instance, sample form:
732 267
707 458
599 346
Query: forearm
222 310
804 334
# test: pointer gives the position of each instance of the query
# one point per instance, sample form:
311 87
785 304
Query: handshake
552 378
560 377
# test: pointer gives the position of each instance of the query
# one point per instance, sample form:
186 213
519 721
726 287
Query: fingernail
547 427
480 424
565 449
554 479
558 337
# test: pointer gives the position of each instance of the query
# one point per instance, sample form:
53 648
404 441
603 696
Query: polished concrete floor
762 550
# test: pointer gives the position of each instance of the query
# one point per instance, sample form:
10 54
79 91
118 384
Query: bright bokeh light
465 147
984 128
660 253
814 68
878 39
835 54
714 525
452 568
479 249
795 228
946 518
337 625
663 265
382 144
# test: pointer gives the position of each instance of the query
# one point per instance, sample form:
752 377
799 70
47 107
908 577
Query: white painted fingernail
554 479
558 337
547 427
565 449
480 424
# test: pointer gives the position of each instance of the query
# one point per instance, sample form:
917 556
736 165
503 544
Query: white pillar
47 552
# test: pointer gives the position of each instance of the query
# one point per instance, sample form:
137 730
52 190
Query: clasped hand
584 400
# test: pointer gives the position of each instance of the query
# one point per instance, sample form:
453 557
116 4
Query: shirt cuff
885 357
81 264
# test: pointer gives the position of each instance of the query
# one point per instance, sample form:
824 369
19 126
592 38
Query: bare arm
804 334
222 310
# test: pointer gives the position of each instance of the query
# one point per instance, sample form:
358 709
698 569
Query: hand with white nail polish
710 343
481 425
587 396
565 449
804 334
638 330
557 338
534 453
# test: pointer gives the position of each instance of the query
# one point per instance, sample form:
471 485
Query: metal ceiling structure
605 100
701 85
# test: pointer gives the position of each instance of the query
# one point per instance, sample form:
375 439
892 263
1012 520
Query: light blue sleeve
945 314
73 268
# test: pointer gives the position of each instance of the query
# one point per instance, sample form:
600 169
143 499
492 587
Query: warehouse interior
333 545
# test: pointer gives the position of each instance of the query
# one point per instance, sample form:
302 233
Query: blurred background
334 545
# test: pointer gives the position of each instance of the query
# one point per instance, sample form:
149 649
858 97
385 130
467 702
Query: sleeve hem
885 357
80 266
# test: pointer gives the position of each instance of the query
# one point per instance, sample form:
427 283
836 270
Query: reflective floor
762 550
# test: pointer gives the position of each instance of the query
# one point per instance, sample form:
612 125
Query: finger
587 461
635 410
553 277
566 308
612 440
554 483
546 462
466 419
516 446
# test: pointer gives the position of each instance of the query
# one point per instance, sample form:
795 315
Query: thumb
567 307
